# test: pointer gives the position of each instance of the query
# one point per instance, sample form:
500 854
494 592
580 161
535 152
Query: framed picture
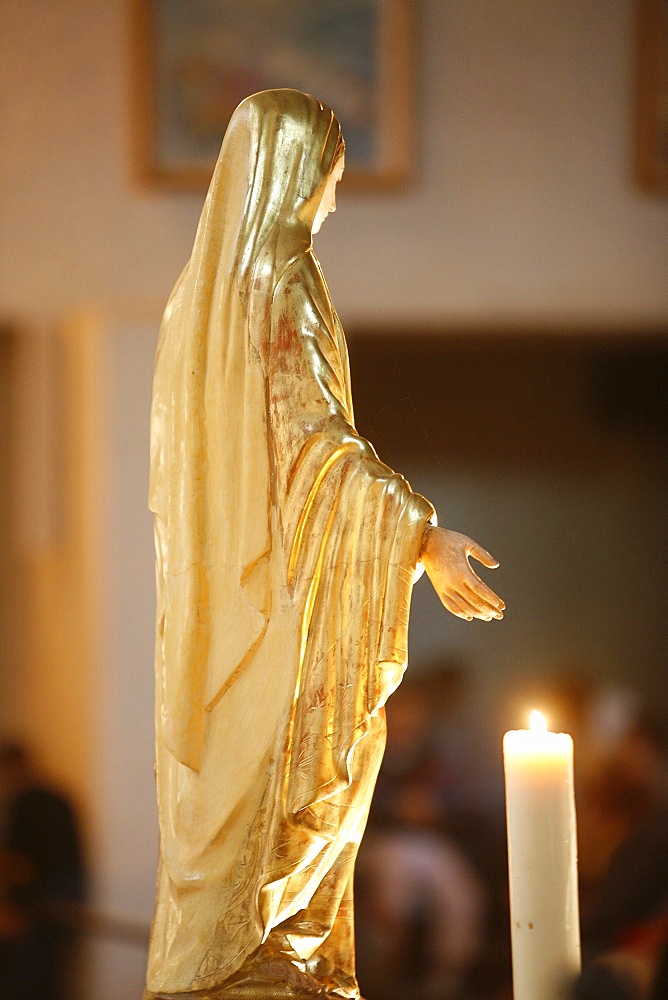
652 123
195 61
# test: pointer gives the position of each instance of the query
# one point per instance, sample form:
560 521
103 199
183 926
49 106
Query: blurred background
507 316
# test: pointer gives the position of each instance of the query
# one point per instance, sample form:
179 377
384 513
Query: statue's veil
210 486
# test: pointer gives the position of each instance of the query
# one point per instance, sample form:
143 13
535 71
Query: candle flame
537 723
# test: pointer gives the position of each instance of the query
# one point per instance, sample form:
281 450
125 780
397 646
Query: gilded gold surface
285 559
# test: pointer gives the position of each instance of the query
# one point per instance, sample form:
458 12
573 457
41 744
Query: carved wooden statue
286 555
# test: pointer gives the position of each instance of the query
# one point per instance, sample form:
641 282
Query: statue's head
294 144
280 151
328 200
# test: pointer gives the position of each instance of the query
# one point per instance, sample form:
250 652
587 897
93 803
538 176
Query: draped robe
265 768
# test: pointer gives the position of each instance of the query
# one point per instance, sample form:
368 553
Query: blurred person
623 847
435 744
422 926
41 874
423 909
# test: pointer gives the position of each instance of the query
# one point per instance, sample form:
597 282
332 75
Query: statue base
274 972
261 991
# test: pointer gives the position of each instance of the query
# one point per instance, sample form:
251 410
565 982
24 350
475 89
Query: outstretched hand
445 556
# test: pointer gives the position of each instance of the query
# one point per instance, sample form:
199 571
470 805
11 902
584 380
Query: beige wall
77 608
55 475
522 205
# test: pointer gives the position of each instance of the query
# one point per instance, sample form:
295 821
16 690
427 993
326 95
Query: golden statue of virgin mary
286 553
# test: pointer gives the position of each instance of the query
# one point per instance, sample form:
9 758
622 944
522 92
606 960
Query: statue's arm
309 384
307 376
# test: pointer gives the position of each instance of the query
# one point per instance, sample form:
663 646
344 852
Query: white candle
542 859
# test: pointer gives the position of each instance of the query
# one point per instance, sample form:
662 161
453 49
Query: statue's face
328 202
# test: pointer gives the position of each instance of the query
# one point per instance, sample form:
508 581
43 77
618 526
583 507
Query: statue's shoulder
302 277
302 300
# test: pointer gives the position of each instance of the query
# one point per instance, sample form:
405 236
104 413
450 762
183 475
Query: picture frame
651 153
194 62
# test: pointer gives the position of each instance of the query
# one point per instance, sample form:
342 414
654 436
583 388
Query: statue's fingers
456 606
480 592
486 616
485 610
483 556
474 606
478 609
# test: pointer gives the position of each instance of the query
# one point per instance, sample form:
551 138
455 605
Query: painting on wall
652 122
195 61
